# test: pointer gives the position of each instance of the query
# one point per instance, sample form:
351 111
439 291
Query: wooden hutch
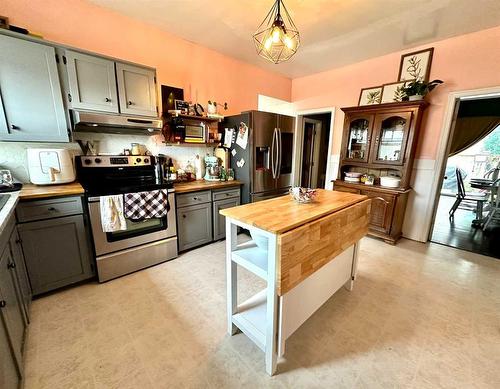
381 140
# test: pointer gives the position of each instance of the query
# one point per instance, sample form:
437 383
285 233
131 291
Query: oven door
137 232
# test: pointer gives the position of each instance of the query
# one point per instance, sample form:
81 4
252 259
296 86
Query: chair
467 198
494 214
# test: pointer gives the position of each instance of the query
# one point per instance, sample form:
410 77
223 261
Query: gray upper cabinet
92 82
31 103
137 90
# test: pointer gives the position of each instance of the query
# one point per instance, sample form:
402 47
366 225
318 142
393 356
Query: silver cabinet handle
130 103
14 127
108 100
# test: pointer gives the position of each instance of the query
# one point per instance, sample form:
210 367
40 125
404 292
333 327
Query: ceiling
334 33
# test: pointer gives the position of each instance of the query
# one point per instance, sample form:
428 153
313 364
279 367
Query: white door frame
444 139
299 137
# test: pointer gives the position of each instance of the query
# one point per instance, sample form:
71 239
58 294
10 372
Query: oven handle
96 199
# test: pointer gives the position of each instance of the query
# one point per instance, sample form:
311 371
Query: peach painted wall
465 62
203 73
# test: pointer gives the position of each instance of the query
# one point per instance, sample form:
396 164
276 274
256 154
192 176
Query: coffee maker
212 169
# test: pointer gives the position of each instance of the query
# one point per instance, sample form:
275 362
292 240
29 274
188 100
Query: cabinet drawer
48 209
194 198
226 194
345 189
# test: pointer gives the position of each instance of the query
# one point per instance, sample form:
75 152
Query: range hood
85 121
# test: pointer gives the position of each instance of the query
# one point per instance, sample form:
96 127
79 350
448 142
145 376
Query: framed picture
4 22
370 96
182 106
393 92
416 66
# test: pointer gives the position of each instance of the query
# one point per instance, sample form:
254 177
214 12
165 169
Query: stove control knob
98 160
146 160
87 161
138 160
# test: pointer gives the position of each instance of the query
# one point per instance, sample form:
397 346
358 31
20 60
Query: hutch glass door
391 134
358 139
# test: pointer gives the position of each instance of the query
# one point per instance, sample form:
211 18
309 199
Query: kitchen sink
3 199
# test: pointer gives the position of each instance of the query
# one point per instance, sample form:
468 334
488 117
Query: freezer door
265 153
269 195
286 132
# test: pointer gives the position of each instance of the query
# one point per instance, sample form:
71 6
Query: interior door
31 95
264 125
310 153
390 137
92 82
286 127
136 90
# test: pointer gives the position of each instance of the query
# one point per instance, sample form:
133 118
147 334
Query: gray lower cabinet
31 103
194 225
56 252
25 293
11 306
219 220
10 377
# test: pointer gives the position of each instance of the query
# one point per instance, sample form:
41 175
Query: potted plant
417 89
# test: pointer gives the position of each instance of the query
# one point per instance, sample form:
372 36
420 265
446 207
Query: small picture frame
370 96
4 22
183 106
416 65
393 92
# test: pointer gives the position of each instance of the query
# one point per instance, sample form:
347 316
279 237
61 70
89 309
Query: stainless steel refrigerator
268 156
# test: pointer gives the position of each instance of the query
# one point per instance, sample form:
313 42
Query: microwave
194 134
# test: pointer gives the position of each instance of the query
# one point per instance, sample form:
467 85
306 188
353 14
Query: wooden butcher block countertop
282 214
30 191
193 186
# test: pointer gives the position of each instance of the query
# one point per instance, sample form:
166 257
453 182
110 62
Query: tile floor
420 316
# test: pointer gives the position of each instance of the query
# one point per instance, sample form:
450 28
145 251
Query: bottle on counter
198 167
223 174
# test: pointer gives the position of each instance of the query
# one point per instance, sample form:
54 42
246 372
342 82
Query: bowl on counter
303 195
390 181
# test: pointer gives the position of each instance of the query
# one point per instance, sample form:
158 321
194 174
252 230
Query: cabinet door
56 252
11 307
194 225
92 82
9 374
31 95
381 211
219 220
357 137
20 270
390 137
136 90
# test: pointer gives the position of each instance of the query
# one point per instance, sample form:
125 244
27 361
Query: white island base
266 318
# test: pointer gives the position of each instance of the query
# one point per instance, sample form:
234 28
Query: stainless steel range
144 243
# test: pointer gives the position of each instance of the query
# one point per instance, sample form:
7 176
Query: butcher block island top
304 252
282 214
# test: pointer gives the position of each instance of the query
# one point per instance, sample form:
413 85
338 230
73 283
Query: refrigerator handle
273 145
280 154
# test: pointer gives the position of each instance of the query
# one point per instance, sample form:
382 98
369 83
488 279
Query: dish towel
112 218
146 205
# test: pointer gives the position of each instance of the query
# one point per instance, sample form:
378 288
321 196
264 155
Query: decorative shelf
251 257
213 144
194 117
251 318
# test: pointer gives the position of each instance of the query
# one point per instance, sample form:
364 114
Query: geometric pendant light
277 38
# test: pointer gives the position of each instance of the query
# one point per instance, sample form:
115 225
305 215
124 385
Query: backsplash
13 154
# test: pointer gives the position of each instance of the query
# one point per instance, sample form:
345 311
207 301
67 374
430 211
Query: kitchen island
305 253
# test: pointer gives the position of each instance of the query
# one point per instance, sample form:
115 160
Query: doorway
314 137
467 198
